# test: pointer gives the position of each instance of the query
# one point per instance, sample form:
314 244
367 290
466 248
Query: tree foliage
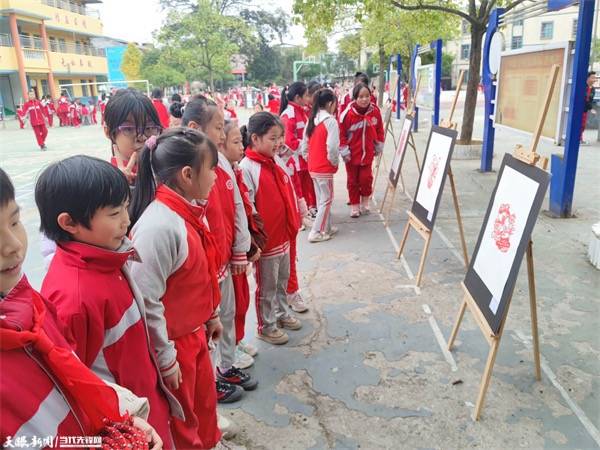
132 61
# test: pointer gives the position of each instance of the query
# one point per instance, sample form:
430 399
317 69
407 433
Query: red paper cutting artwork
504 227
433 170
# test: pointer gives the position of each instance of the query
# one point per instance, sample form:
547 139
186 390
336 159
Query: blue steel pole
437 47
398 93
564 168
413 86
489 93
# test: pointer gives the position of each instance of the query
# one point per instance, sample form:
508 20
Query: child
103 102
323 140
85 114
63 110
294 119
178 274
312 88
160 107
94 112
233 150
359 77
229 111
361 137
103 310
61 397
227 220
130 119
272 195
34 110
49 109
274 104
75 113
21 117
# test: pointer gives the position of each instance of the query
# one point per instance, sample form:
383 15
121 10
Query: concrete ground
368 368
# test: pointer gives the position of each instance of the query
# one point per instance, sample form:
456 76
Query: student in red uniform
233 150
61 396
178 276
273 104
160 107
21 117
75 113
101 306
34 111
102 105
62 110
361 138
94 112
322 138
359 77
130 119
229 111
293 117
312 87
272 196
49 109
227 221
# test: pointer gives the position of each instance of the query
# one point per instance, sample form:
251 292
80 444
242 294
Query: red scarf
98 401
192 214
280 176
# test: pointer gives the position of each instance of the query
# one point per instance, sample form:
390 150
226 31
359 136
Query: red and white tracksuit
75 114
323 157
35 110
178 282
361 137
162 112
63 111
105 314
227 220
272 195
49 111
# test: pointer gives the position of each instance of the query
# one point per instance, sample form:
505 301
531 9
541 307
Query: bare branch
513 5
421 6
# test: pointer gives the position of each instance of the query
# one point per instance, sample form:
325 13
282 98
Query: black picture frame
473 283
394 176
417 209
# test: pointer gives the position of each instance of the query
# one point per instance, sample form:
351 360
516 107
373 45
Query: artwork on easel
400 150
504 236
433 174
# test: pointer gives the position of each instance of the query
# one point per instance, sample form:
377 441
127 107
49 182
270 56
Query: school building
45 44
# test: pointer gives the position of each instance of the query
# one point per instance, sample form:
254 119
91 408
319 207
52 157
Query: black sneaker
237 377
228 393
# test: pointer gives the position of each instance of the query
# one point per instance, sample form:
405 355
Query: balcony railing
39 55
66 5
78 49
5 40
28 41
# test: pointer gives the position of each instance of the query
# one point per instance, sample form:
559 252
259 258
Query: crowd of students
147 285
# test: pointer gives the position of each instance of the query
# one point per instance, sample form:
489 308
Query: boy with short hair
83 207
61 396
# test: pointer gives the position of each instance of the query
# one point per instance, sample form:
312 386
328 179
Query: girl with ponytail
178 274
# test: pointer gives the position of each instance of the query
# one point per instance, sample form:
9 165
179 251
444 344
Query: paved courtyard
368 369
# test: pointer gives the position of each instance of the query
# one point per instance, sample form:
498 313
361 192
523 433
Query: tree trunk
466 133
211 80
382 65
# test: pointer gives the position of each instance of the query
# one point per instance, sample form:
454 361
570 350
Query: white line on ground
440 338
583 418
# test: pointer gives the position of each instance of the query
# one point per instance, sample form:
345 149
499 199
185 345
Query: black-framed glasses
132 131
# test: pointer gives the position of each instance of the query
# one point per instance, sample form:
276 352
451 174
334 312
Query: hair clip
151 142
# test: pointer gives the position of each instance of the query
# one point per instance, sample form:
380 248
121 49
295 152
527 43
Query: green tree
132 61
350 46
475 12
158 72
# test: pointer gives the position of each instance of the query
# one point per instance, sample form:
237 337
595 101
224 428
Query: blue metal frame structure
436 47
563 167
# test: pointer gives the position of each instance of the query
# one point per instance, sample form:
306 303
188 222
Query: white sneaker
228 428
354 211
319 237
333 231
242 360
247 348
296 302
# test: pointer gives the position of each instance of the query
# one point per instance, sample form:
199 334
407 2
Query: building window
516 42
69 89
84 88
53 44
45 89
574 29
465 49
465 27
547 30
62 45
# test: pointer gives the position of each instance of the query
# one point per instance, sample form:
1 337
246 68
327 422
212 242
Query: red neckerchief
98 401
192 214
279 175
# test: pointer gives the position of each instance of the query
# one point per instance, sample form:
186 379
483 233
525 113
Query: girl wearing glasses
130 119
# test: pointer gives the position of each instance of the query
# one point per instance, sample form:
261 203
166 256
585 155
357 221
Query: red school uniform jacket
361 134
323 146
35 404
163 114
35 110
271 192
63 105
294 122
92 292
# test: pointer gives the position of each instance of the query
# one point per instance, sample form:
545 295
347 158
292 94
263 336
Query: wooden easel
418 226
410 142
389 129
532 158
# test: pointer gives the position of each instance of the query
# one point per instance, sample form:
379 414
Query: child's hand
154 440
237 269
214 329
256 256
174 380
